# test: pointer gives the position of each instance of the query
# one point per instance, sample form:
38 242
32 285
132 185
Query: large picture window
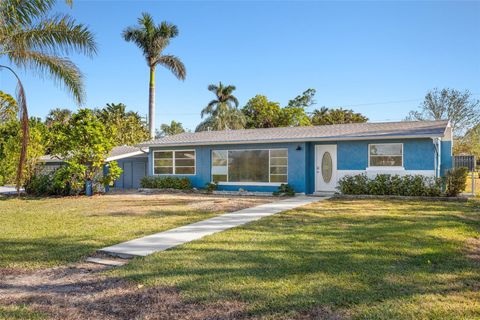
386 155
181 162
250 166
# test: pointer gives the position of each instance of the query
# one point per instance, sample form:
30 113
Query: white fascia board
293 140
123 156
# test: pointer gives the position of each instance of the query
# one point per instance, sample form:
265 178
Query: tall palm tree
152 40
223 113
30 39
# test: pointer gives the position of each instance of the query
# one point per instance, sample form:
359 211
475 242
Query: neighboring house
311 159
132 160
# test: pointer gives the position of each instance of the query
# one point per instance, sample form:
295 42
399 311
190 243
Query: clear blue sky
359 55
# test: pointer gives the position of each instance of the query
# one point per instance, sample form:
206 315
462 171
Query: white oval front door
326 168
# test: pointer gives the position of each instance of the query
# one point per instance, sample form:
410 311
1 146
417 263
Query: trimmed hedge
166 183
395 185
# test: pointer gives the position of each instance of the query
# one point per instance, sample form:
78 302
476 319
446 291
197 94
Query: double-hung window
250 166
181 162
385 155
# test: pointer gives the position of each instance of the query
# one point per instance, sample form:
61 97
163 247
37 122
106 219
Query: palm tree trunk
151 103
22 104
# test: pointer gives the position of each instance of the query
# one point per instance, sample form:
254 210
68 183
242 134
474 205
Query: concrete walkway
174 237
8 190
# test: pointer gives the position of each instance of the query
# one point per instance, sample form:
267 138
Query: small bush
456 181
385 184
39 185
166 183
284 190
211 186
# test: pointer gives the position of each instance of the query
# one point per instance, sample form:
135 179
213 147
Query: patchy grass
20 313
43 232
360 259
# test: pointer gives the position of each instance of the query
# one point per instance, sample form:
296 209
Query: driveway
8 190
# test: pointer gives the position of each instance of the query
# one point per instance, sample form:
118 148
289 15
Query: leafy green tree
8 107
294 117
326 116
84 143
33 40
305 100
170 129
58 115
222 112
10 149
294 114
262 113
469 144
152 40
459 107
126 128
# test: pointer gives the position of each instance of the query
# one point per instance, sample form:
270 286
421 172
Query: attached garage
134 169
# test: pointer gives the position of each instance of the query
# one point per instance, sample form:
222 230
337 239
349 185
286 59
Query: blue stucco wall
419 154
446 157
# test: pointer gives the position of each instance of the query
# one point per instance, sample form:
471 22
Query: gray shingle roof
354 131
116 153
123 150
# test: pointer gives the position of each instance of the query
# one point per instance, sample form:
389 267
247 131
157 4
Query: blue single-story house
310 159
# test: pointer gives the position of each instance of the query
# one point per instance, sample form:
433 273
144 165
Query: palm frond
61 69
209 108
146 22
58 34
213 88
234 100
135 35
167 30
23 12
174 64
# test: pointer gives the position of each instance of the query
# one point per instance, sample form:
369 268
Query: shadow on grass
47 251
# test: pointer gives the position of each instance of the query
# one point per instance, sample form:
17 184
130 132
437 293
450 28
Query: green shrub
166 183
456 181
386 184
39 185
211 186
284 190
356 184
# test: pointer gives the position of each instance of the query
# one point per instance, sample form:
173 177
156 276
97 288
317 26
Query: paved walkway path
174 237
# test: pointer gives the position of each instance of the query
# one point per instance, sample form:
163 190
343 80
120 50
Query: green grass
20 313
364 259
45 232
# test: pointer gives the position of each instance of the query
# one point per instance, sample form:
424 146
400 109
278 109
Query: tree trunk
151 103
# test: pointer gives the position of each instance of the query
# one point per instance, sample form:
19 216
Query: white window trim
370 167
243 183
173 164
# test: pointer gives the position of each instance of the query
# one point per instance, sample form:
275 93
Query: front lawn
42 232
361 259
